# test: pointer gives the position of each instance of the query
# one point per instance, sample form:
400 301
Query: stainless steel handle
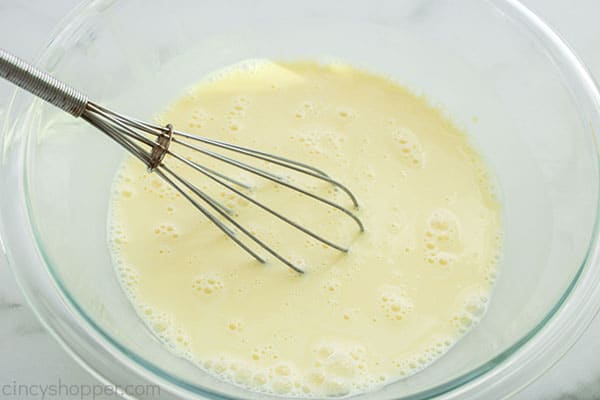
41 84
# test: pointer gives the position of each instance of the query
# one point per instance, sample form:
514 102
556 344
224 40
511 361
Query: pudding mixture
413 283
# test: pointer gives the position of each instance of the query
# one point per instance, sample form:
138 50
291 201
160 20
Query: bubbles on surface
127 193
476 304
411 149
331 286
153 184
208 284
235 325
282 385
117 237
349 313
264 353
129 278
413 363
492 274
318 142
198 120
471 310
166 231
345 113
394 303
165 327
335 364
240 103
306 110
442 238
491 270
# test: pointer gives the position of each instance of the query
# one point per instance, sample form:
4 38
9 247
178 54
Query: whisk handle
41 84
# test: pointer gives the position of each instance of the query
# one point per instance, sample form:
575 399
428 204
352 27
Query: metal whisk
151 144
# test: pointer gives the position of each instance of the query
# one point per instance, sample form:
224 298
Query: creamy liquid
412 284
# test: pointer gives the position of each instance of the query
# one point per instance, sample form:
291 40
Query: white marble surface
29 355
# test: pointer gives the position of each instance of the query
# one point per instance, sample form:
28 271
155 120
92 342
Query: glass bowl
499 72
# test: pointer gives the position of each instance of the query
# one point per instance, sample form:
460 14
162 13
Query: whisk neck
163 141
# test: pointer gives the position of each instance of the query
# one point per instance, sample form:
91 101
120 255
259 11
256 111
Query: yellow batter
412 284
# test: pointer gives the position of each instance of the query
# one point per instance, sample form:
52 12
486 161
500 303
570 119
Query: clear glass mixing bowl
503 75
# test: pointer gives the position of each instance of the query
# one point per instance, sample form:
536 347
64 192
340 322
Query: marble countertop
29 355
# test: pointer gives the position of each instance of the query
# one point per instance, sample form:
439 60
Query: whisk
150 143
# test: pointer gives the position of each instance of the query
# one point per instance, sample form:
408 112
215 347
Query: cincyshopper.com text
62 390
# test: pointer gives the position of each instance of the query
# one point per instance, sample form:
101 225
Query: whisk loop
151 144
133 135
160 150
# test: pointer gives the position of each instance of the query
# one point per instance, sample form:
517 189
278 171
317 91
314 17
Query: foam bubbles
282 385
164 326
331 286
345 113
337 387
411 364
207 285
318 142
442 238
411 149
129 278
354 347
476 305
471 310
235 325
153 184
394 303
167 231
118 239
339 359
199 119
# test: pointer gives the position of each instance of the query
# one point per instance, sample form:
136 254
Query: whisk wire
244 230
202 170
208 214
150 144
281 161
278 160
111 132
275 159
131 134
268 176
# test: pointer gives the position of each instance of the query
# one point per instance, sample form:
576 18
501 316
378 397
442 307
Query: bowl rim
109 361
